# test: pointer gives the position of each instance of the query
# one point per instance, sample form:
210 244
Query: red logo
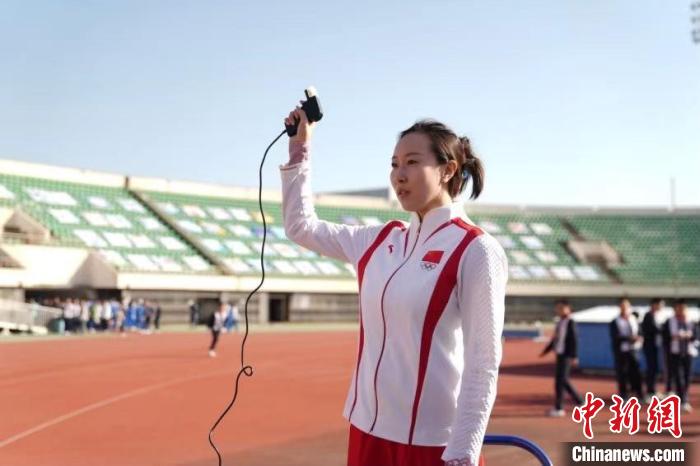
585 414
665 415
626 415
661 415
431 260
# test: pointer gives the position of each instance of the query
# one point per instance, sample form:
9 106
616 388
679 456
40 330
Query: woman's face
420 183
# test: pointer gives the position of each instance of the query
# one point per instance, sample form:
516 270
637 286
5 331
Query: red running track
150 400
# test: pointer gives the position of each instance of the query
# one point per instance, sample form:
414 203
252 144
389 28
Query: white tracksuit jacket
431 316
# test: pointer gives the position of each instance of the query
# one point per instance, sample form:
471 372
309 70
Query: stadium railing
27 317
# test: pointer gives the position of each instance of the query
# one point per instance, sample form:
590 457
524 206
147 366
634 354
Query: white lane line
108 401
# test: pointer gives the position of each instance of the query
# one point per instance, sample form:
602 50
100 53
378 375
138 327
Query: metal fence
28 317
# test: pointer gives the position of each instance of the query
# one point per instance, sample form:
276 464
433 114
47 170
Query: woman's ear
449 171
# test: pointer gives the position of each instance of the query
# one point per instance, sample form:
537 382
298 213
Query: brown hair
446 146
562 302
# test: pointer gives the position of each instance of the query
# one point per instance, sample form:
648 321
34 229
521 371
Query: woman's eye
412 162
394 164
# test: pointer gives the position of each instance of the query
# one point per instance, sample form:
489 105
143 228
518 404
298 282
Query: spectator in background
140 314
68 315
71 309
148 315
93 315
194 312
156 315
626 341
681 335
232 317
105 315
84 314
117 310
565 346
77 312
651 333
119 317
216 323
131 321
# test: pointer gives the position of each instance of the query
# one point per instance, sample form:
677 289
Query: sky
583 102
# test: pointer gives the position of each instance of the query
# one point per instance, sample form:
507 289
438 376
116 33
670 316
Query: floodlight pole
695 22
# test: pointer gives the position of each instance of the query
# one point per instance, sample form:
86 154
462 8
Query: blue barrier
524 333
519 442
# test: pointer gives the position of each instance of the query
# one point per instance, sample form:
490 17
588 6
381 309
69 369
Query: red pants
367 450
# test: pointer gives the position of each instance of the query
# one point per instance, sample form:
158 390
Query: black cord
248 370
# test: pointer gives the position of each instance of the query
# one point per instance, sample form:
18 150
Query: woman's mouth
401 193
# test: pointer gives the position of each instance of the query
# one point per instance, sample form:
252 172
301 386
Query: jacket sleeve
574 338
549 347
481 295
666 336
302 225
615 338
648 327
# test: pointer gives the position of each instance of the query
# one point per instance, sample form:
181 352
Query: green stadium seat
109 220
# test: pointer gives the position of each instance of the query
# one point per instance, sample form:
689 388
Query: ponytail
471 167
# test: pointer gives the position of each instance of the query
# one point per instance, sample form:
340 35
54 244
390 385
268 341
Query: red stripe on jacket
438 301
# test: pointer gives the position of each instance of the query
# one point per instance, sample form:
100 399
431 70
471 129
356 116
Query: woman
431 298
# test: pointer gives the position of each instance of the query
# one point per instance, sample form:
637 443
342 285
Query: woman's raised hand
304 129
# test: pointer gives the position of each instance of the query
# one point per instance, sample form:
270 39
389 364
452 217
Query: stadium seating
655 249
106 219
535 244
163 230
232 230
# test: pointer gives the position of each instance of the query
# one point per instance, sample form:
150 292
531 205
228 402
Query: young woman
431 298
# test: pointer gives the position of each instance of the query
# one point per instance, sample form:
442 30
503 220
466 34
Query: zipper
381 353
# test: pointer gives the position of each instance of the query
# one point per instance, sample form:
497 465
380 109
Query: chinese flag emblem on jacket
431 260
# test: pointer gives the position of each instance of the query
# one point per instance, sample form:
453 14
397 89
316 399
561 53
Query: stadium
135 329
76 234
89 235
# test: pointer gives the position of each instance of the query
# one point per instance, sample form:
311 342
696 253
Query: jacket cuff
298 152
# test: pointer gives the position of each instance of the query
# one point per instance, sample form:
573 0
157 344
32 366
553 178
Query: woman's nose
401 175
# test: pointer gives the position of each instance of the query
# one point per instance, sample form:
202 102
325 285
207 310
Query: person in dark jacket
564 343
215 324
194 312
681 340
651 332
626 341
156 321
